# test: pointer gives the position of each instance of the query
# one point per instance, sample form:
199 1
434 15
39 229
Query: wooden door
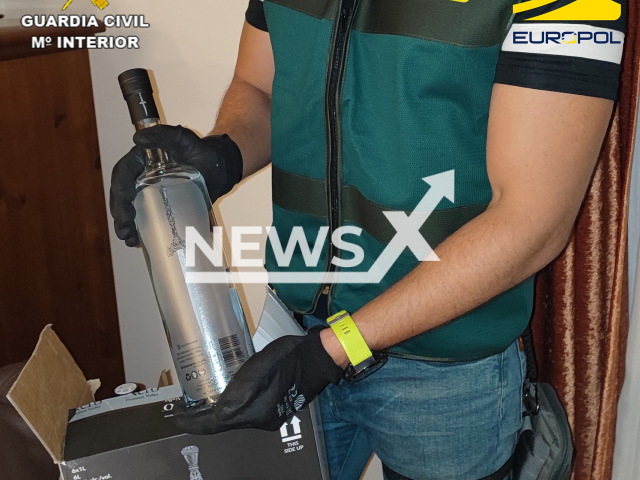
55 259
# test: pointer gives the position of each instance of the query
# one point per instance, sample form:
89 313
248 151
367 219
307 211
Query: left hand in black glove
270 388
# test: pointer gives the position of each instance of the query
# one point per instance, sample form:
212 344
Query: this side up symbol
284 430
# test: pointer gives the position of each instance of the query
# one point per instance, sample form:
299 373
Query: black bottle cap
138 92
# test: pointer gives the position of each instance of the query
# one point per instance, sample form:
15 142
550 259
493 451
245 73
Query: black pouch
545 446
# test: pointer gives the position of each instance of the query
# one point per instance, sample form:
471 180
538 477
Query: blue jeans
426 420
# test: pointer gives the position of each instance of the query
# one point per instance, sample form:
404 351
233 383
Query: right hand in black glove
270 387
217 158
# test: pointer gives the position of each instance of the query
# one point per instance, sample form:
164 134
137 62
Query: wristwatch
363 362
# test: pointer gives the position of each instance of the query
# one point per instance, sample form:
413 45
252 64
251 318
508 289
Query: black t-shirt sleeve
552 48
255 15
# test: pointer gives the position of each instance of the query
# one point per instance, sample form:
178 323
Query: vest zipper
333 98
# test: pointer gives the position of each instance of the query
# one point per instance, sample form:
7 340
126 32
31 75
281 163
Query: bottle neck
157 159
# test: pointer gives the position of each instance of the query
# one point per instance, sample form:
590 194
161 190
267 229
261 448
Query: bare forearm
245 116
496 251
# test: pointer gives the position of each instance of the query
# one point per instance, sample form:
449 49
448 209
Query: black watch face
353 376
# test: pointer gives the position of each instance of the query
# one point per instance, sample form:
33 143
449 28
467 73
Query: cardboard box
134 437
112 440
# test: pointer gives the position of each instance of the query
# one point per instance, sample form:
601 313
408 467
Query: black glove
217 158
270 388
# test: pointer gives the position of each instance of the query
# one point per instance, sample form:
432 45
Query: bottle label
207 340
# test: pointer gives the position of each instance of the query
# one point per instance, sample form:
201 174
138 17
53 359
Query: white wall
191 48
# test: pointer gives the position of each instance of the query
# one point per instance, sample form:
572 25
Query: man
354 102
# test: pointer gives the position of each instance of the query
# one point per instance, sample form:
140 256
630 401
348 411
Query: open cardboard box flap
50 384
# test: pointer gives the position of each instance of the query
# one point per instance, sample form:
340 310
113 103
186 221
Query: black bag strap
530 387
504 470
530 353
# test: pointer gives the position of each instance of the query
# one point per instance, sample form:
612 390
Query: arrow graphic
442 186
408 227
284 431
295 422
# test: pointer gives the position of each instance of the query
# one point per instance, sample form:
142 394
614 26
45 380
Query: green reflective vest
369 97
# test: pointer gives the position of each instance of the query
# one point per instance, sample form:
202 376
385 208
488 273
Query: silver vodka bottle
205 324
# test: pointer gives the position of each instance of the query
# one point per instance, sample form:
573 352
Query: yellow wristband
350 337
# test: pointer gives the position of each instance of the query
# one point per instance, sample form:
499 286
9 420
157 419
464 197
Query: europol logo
550 34
101 4
568 30
579 10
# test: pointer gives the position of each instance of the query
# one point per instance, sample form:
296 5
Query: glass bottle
205 323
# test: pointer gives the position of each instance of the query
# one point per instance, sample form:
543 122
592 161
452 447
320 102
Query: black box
135 438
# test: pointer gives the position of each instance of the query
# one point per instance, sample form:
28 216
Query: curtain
626 461
581 312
